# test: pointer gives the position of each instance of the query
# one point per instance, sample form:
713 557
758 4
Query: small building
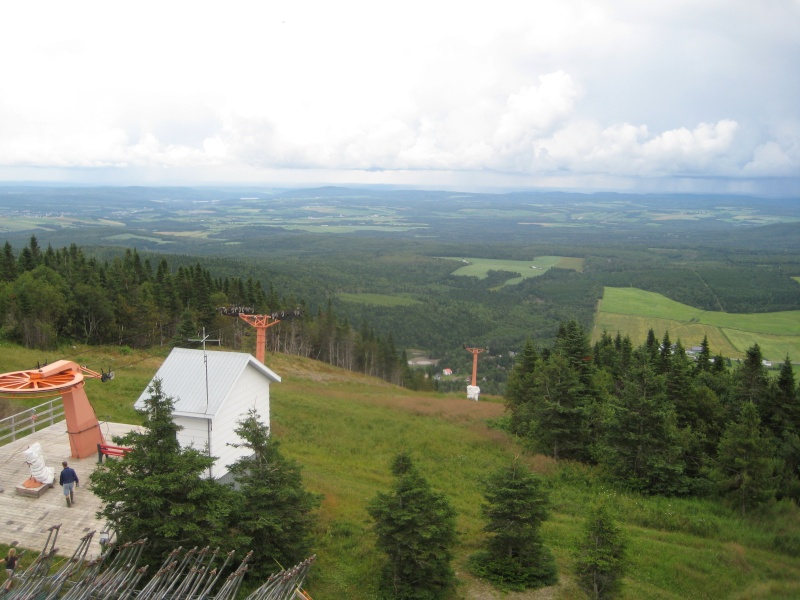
213 391
447 371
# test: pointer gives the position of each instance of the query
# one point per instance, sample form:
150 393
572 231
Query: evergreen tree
514 556
273 511
781 409
745 467
558 411
600 556
415 528
665 354
519 389
652 347
159 490
704 356
8 264
187 329
784 422
572 342
679 379
642 446
750 381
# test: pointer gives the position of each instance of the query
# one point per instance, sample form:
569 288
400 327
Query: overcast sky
678 95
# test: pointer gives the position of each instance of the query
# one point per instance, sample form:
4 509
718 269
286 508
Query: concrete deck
26 520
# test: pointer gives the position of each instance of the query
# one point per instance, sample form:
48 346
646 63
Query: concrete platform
27 519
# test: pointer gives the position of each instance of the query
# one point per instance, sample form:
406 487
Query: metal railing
30 420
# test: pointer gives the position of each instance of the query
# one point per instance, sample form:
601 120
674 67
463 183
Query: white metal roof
183 377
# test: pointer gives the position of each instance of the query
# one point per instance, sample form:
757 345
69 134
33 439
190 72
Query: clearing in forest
634 312
480 267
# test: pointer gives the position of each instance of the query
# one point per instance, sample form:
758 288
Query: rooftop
27 520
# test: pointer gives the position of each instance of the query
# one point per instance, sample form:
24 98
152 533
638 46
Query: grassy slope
345 428
634 311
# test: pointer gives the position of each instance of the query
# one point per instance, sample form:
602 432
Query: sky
698 96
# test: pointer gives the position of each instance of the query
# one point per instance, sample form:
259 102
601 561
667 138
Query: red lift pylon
261 324
475 352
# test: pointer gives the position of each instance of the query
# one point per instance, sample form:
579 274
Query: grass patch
480 267
634 311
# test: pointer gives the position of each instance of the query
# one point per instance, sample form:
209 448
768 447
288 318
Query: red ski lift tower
66 378
473 391
261 324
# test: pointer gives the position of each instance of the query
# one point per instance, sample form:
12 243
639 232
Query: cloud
610 88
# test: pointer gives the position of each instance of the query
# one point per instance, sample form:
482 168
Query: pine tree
704 356
8 264
781 410
665 354
514 557
519 389
745 467
159 490
275 513
600 556
642 445
415 528
750 380
652 347
559 423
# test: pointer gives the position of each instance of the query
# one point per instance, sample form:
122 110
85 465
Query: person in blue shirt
68 480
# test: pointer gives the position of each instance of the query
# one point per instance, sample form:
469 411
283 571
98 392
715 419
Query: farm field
633 312
480 267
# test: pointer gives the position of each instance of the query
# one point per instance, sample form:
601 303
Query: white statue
41 473
473 392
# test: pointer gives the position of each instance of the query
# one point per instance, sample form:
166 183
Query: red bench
109 450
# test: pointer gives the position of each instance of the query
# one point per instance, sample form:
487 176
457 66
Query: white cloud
608 88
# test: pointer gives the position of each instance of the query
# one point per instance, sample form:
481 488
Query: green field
480 267
634 312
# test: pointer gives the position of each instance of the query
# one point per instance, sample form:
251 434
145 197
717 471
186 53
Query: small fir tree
275 513
159 490
600 555
415 528
514 556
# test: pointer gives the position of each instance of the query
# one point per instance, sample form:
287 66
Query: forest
49 297
324 248
659 423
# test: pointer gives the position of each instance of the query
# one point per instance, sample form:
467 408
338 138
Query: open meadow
345 428
633 311
480 267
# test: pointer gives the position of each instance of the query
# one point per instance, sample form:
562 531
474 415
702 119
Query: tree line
656 421
50 297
